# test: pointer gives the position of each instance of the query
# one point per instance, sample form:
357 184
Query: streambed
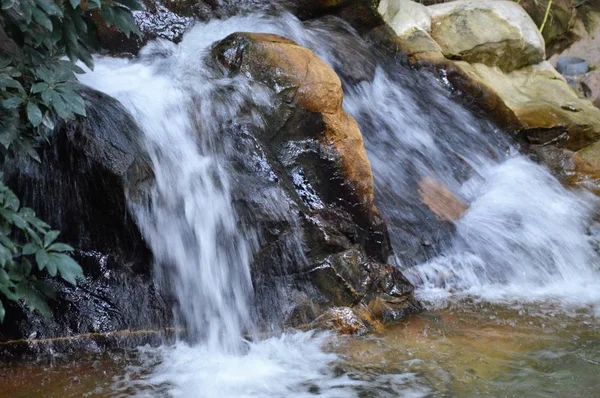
462 348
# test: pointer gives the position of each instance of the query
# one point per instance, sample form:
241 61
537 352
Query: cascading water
188 221
522 231
524 236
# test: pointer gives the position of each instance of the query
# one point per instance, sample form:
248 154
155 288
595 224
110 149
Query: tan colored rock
298 73
495 33
440 200
590 87
345 320
405 16
545 107
478 45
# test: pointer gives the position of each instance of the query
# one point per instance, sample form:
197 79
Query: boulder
538 103
155 21
493 52
298 75
317 166
88 169
495 33
405 16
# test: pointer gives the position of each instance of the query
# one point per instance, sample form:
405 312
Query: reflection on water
464 348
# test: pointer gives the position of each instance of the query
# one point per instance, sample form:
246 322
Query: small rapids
524 237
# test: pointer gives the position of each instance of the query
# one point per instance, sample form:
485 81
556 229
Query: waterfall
202 257
522 235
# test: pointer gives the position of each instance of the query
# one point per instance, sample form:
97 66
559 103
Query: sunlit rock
545 108
405 16
493 52
495 33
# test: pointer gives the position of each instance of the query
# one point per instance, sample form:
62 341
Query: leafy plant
40 43
27 242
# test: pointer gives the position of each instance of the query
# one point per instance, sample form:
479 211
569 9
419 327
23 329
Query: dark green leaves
68 269
120 17
24 255
38 88
34 114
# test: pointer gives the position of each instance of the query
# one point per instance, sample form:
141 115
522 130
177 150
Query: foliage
33 243
37 85
40 44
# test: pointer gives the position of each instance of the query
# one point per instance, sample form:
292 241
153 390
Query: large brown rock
299 75
316 149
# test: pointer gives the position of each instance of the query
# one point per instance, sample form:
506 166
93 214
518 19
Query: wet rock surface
88 169
311 153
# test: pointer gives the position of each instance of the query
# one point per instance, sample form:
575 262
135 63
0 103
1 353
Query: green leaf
67 267
50 237
60 247
47 97
34 114
41 18
74 101
12 102
29 150
18 221
11 201
124 21
34 236
26 266
108 15
59 106
29 249
48 120
52 267
7 243
45 288
2 312
39 87
42 259
5 60
8 82
15 275
32 298
27 9
6 4
49 7
8 293
78 22
4 278
74 3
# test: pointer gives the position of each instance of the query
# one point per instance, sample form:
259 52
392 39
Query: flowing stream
522 254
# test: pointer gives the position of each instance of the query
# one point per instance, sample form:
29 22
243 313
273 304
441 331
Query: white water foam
524 237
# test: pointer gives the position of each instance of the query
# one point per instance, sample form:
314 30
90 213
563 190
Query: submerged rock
442 202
